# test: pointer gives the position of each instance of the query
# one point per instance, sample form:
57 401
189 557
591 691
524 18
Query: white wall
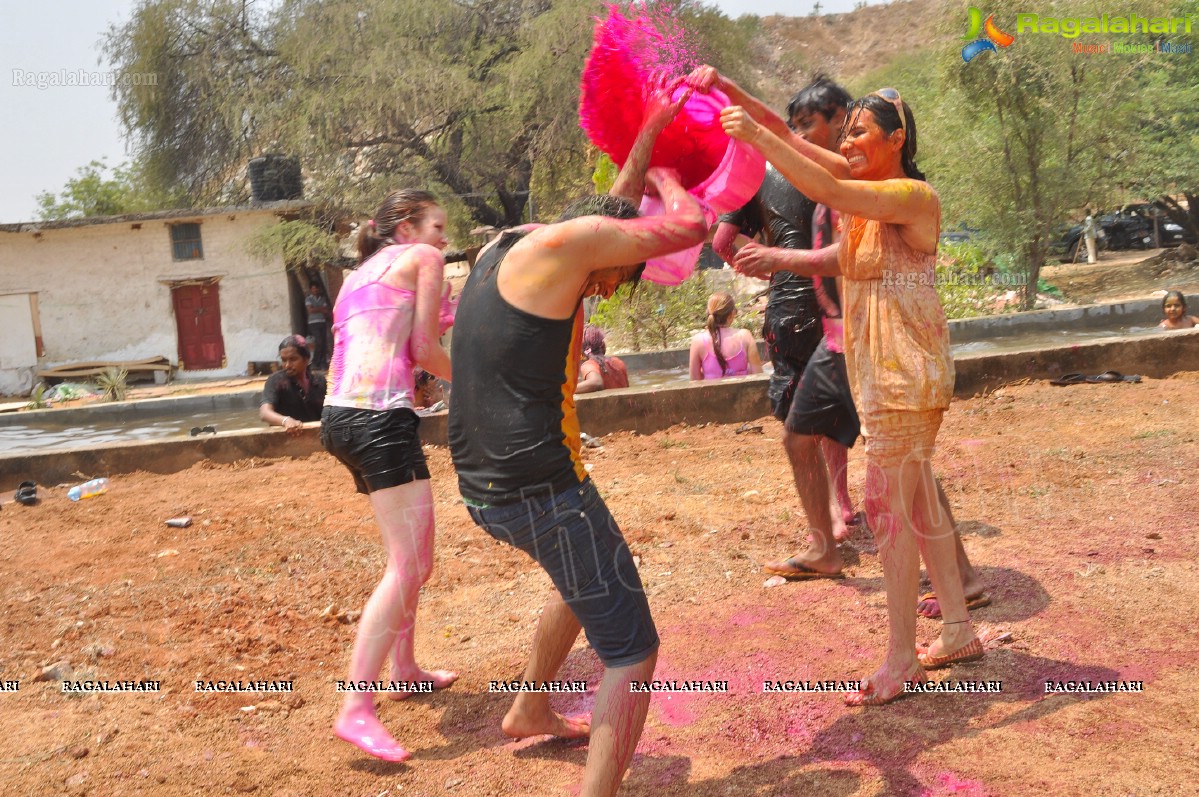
104 289
18 350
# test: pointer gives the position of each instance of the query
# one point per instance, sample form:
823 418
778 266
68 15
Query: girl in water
1174 308
720 350
387 320
896 346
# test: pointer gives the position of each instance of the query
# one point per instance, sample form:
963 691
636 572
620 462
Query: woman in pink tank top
388 318
720 350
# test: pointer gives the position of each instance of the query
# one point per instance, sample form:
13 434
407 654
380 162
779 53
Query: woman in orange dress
896 347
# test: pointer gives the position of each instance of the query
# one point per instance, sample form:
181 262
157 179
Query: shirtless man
514 438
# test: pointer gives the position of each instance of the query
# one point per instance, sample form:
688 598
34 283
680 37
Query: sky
48 133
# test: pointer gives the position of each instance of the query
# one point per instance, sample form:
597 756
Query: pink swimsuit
372 326
738 363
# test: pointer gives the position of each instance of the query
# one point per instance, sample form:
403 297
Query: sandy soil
1119 276
1077 504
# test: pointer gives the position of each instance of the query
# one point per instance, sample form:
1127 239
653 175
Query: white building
175 284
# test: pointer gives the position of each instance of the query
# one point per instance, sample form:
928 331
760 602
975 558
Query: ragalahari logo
991 35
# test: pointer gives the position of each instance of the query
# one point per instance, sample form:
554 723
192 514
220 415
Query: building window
185 242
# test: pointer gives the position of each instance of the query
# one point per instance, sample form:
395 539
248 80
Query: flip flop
971 651
1113 376
798 572
26 493
1083 379
977 602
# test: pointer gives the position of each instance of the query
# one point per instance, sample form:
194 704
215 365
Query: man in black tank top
514 438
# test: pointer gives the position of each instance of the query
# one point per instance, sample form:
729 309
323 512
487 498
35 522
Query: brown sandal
971 651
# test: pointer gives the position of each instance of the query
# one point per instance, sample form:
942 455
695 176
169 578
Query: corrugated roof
157 215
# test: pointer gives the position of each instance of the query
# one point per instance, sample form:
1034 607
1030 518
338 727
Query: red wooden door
198 316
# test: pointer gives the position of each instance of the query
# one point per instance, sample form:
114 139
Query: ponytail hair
720 310
405 205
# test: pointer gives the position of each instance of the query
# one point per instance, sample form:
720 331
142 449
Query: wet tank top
513 431
738 363
372 327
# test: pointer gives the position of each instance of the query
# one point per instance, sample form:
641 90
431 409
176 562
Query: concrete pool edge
644 410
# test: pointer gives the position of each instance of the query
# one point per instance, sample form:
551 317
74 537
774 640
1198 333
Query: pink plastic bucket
730 185
628 55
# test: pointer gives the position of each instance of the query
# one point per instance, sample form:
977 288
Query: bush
113 384
971 283
656 317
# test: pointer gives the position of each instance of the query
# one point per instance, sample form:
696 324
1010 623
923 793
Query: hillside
847 47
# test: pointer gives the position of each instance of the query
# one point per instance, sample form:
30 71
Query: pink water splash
628 56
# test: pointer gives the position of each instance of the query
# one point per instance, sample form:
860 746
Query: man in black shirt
514 438
793 329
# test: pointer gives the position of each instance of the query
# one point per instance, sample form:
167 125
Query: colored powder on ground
949 783
628 56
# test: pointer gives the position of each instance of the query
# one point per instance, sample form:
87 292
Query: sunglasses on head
892 96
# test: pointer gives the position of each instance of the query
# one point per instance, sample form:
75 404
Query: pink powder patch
949 783
676 709
747 617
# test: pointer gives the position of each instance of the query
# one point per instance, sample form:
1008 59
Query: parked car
1130 227
959 234
1173 234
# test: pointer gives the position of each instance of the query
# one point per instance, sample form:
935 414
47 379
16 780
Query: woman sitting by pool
598 371
720 350
896 346
294 396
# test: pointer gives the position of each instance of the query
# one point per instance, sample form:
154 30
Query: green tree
1164 149
95 192
477 100
1029 134
653 316
301 244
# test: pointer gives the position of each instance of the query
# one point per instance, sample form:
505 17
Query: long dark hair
595 347
887 116
400 206
720 310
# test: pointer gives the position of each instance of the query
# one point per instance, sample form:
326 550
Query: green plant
653 316
301 244
113 384
969 282
37 399
1045 287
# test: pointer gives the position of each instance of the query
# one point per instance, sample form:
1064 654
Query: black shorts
381 449
791 336
823 403
574 538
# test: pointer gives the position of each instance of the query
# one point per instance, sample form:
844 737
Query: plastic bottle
87 489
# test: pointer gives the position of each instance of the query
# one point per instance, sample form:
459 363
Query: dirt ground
1076 503
1125 275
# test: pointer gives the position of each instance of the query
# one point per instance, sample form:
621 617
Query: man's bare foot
441 679
519 726
361 728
